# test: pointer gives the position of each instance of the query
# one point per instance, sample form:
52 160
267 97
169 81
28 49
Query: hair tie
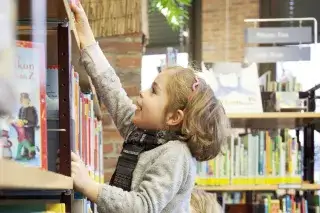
195 84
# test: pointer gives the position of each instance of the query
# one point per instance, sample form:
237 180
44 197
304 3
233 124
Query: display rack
19 181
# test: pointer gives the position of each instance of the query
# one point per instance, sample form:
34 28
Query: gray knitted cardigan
164 177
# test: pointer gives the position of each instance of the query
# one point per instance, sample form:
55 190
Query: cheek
152 111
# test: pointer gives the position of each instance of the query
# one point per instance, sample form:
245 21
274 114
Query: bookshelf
240 186
235 188
20 182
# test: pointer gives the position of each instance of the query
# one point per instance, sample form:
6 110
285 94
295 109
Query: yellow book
56 208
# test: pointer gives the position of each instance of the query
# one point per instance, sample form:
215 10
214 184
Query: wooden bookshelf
17 176
237 188
269 120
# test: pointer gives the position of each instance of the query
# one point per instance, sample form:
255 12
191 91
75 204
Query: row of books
86 128
40 206
268 203
260 158
286 84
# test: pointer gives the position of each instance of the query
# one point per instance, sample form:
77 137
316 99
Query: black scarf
137 142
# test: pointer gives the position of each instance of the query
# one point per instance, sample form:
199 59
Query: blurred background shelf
237 188
273 119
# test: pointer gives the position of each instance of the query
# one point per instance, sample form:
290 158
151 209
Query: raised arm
109 88
103 76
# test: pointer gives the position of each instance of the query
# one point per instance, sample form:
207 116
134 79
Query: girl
174 123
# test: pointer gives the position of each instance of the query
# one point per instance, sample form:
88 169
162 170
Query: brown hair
203 202
205 126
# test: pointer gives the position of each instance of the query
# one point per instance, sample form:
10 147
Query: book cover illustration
236 85
26 131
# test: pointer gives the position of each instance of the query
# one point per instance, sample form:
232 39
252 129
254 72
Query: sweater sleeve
109 88
160 184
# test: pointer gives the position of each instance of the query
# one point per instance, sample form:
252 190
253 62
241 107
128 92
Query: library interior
79 79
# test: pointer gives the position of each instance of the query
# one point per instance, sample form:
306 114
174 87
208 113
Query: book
33 207
86 130
236 85
26 130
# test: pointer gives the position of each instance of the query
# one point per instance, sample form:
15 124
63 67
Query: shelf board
237 188
15 176
272 119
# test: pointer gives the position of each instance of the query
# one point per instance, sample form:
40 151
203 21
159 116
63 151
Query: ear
175 118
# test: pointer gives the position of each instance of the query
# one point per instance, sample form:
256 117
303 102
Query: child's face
151 105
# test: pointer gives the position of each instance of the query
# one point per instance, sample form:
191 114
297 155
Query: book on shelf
236 85
81 205
261 158
284 94
33 207
268 202
286 84
86 129
24 134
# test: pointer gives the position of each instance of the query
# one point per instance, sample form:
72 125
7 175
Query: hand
79 173
82 25
82 180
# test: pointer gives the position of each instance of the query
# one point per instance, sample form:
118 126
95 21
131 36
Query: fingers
75 157
76 8
75 160
74 168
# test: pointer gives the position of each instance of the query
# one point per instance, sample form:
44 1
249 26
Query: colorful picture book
236 85
25 133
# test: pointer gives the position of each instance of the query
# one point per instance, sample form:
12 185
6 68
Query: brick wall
125 55
214 30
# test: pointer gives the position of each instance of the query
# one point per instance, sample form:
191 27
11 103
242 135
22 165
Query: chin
137 122
142 125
